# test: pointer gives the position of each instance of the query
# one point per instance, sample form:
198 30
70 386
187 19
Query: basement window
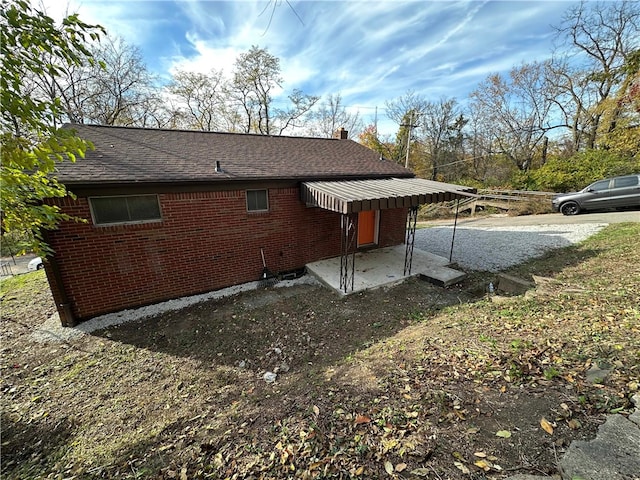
125 209
257 201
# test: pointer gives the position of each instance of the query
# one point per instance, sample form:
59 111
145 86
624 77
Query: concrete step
441 275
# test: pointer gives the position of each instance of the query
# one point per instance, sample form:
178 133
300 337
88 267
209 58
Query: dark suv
618 192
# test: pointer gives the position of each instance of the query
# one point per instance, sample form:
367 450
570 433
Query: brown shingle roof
136 155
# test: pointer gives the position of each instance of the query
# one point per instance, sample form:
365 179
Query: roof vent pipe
218 169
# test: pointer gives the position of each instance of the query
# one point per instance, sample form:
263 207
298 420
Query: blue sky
369 52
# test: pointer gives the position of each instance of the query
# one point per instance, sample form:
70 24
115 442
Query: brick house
172 213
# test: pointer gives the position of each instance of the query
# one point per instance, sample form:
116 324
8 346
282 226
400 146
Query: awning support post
455 226
348 230
412 217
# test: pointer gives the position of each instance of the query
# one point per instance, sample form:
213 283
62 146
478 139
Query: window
625 182
599 186
129 209
257 201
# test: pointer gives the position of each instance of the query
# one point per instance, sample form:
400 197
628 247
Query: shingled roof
126 155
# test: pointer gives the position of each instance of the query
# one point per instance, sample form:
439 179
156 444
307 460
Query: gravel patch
52 331
496 248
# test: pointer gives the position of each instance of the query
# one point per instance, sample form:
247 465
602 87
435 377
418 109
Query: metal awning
354 196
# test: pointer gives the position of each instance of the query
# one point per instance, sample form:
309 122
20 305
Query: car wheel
40 267
570 208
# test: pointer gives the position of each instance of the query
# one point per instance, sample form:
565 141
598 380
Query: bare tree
159 111
411 101
115 89
118 90
294 116
518 110
199 99
479 143
406 112
255 78
256 75
332 115
67 85
441 126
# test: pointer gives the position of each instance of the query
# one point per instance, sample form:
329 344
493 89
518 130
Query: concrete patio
384 267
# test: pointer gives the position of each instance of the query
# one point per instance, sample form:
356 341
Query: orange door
367 227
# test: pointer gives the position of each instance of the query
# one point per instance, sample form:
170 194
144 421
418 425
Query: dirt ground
413 381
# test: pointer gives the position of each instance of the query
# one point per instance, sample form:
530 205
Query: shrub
578 171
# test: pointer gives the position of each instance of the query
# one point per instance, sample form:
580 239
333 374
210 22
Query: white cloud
206 57
370 52
116 17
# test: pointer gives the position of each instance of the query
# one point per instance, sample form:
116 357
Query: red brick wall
205 241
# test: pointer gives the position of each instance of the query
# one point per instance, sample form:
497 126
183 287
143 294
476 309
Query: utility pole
375 122
409 128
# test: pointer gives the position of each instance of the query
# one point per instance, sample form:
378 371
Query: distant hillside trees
576 113
585 97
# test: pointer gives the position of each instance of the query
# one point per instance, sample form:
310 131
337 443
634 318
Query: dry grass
413 378
530 207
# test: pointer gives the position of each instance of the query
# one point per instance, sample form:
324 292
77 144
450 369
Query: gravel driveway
493 248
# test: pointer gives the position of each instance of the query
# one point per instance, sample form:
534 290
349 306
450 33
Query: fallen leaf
473 430
359 471
574 424
462 467
401 467
458 455
483 464
423 472
546 426
316 410
565 410
362 419
388 466
480 454
503 434
389 444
